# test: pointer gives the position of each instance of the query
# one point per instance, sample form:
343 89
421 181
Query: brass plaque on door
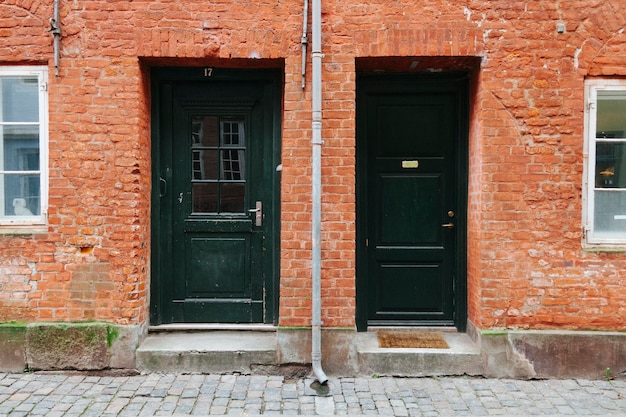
410 164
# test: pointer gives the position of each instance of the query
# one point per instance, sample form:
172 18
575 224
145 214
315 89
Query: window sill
23 230
604 248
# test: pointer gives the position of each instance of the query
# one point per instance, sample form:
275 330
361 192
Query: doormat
411 339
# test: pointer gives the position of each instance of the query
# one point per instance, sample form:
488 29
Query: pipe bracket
55 29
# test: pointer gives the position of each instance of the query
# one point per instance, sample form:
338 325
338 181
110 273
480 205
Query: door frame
370 83
160 76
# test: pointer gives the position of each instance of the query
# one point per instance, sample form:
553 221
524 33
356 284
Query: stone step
250 351
206 351
462 358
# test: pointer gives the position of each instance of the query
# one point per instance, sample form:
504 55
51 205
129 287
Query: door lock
258 213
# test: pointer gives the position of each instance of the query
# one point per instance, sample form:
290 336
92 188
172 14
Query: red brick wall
526 266
93 262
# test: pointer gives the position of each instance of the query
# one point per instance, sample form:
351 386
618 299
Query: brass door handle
448 225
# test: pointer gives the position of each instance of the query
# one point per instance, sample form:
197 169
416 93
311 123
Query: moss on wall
12 345
69 345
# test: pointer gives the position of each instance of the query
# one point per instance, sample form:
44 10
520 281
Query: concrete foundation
68 346
339 350
552 353
345 352
520 354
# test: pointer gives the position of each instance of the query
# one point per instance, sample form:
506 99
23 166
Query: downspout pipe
316 195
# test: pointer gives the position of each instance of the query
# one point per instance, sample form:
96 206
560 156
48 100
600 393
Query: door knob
448 225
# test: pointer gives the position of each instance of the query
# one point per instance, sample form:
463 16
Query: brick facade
528 60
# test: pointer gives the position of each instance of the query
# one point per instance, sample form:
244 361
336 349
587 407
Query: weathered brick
525 146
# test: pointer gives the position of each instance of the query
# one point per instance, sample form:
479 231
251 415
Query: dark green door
411 202
217 202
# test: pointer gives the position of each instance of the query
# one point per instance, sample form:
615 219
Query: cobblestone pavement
73 395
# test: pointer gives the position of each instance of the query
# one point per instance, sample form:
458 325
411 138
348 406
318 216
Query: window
605 165
23 145
218 153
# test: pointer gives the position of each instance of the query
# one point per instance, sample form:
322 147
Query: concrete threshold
207 327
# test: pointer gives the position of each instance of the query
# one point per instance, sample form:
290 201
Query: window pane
233 164
232 198
20 148
204 196
20 99
610 214
204 164
611 122
205 131
610 164
21 194
218 164
233 132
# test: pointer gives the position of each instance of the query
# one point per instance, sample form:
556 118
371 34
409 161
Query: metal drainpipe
316 142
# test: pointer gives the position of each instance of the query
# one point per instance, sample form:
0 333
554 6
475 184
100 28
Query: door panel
412 298
401 219
401 123
216 247
409 169
218 267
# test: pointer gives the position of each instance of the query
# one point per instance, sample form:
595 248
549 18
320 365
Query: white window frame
590 239
15 224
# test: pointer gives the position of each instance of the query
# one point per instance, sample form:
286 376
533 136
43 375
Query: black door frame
370 83
160 76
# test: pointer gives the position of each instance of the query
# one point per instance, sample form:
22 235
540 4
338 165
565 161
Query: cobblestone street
72 395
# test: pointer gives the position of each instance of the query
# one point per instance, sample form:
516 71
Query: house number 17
208 72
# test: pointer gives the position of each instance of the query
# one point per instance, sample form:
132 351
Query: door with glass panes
216 186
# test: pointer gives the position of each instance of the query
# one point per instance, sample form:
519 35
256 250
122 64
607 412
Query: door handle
258 213
448 225
163 187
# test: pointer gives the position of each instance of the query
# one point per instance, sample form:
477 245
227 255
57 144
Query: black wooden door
410 209
217 202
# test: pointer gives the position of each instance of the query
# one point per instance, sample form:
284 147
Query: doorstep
206 351
225 350
462 357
